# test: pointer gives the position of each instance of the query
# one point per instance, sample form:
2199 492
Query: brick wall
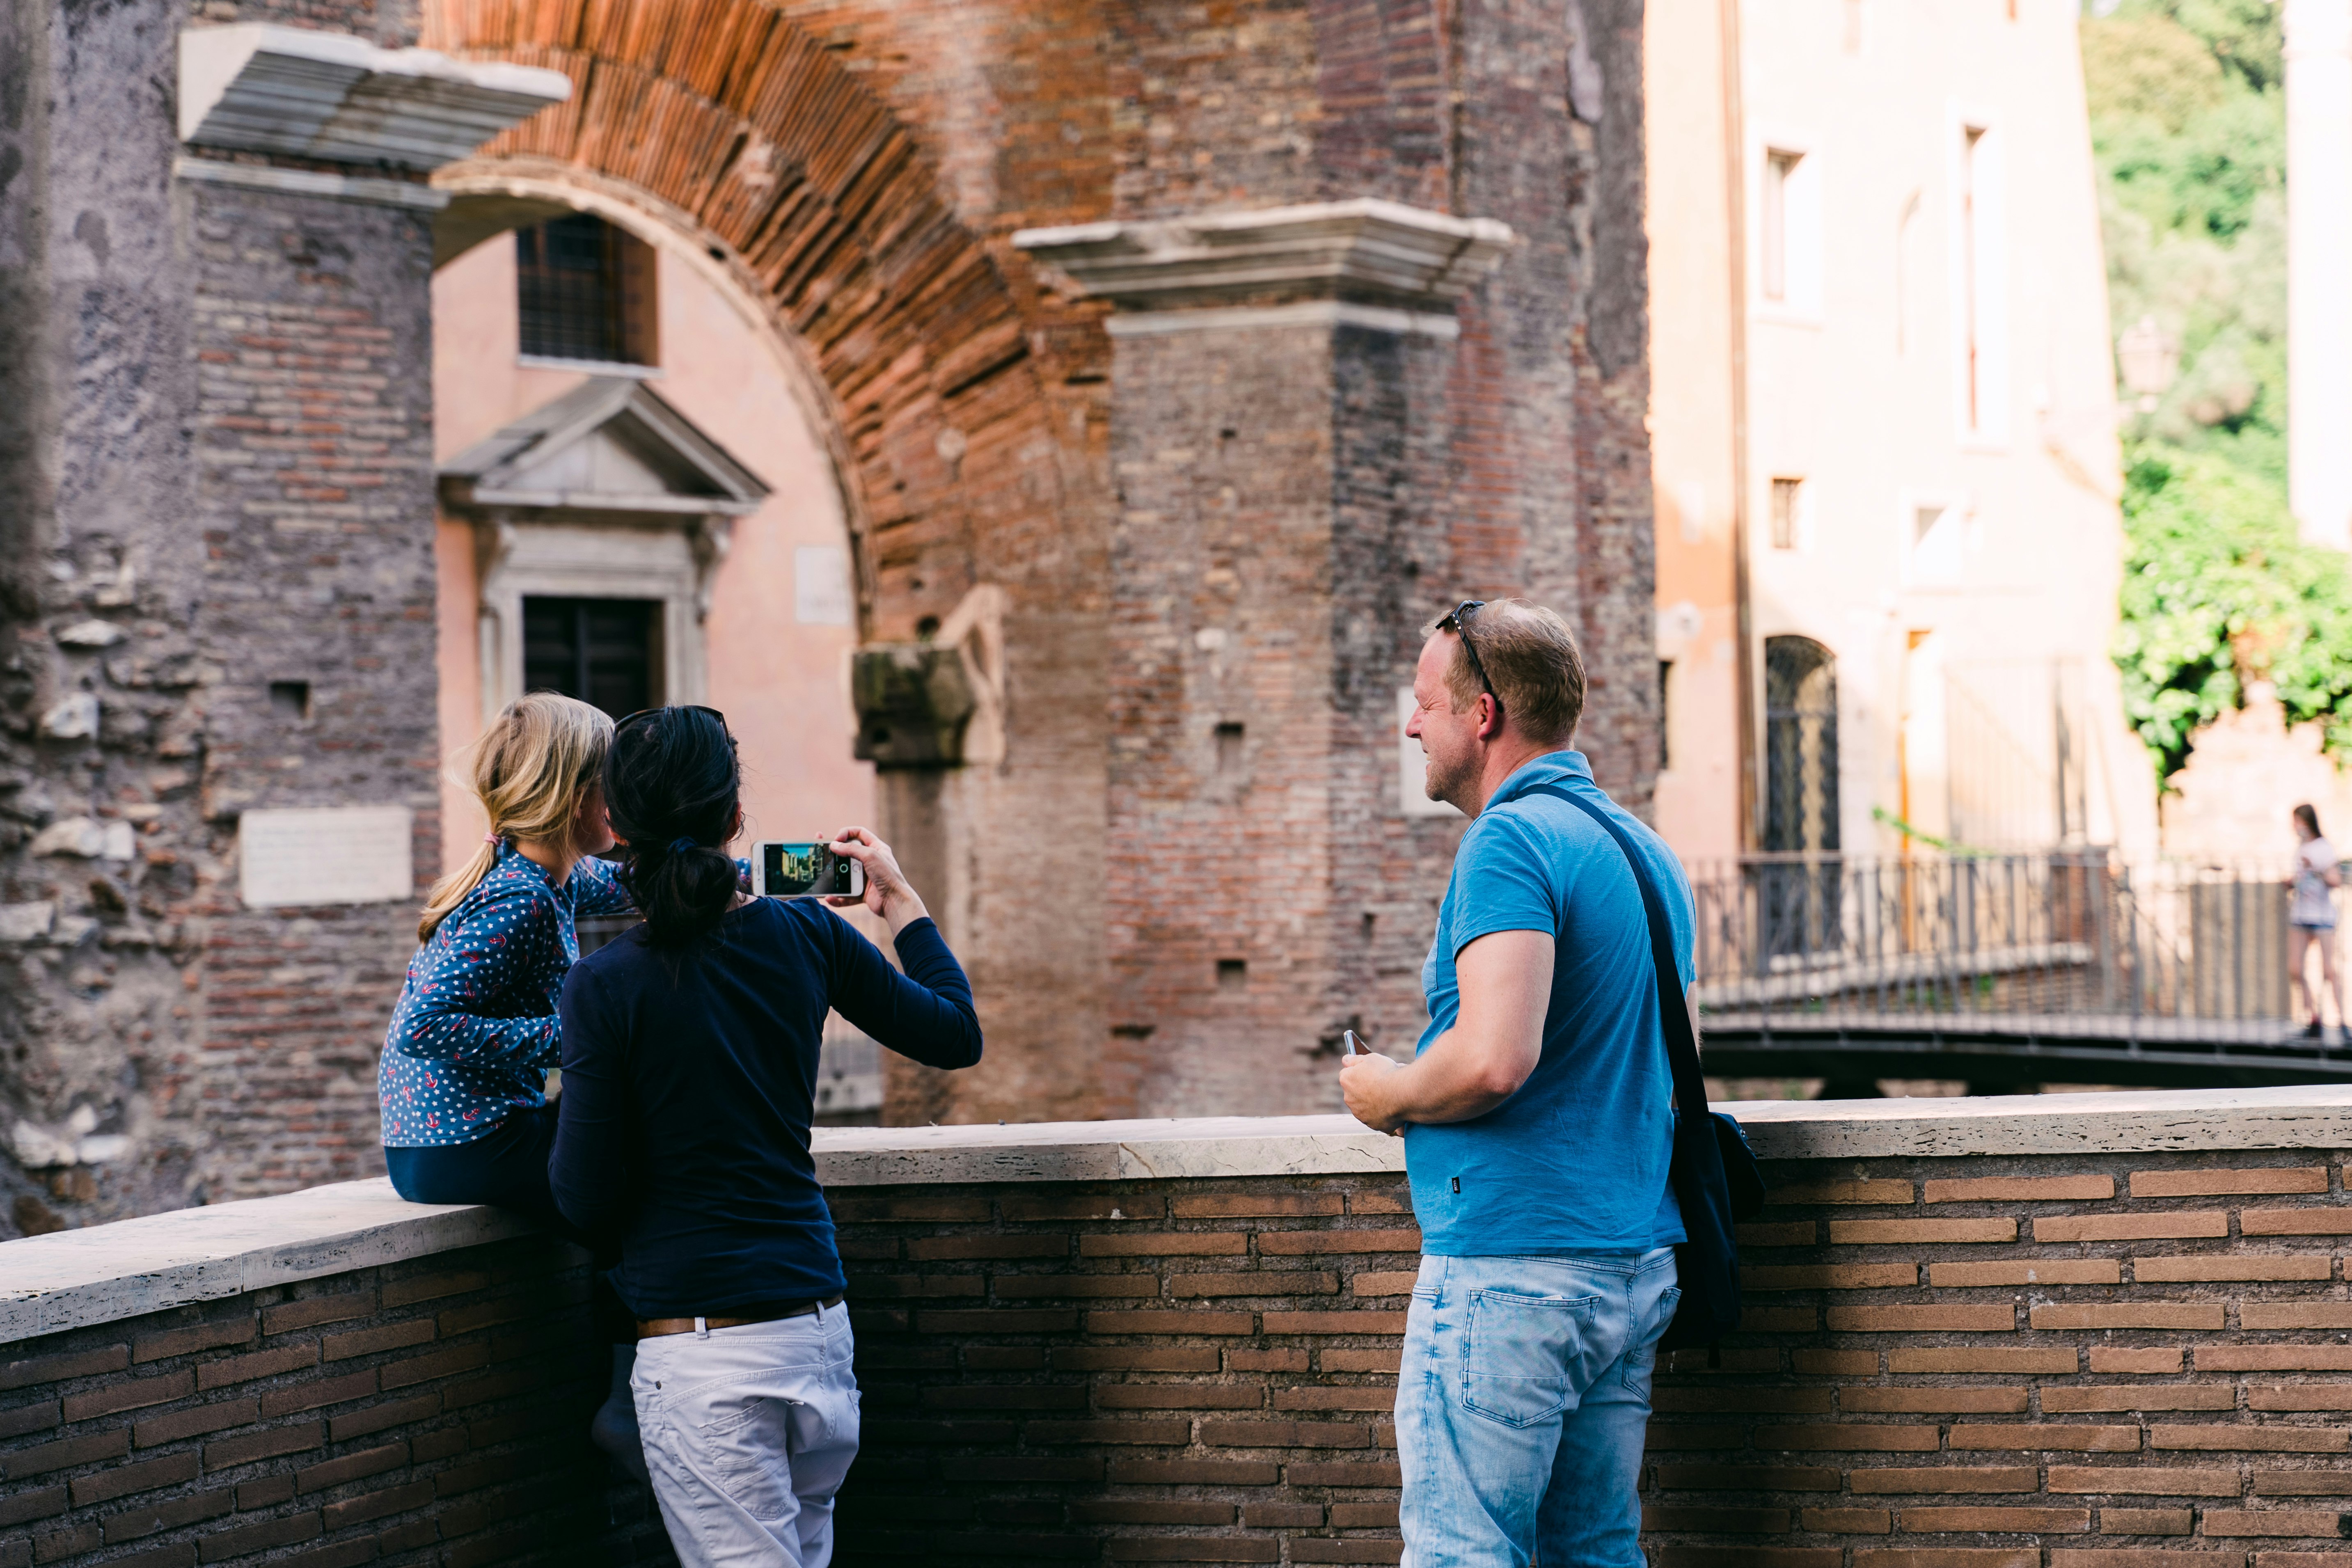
2015 1362
1949 1364
312 338
1171 1372
1965 1364
431 1411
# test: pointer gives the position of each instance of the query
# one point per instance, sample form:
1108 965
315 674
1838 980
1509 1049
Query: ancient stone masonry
218 600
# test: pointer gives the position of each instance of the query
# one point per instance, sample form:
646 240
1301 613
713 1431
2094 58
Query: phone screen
806 870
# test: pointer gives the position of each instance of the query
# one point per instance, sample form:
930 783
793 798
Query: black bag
1713 1172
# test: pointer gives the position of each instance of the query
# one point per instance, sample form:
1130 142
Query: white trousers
749 1433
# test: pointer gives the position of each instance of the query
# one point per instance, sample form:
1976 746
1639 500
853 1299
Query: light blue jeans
1521 1406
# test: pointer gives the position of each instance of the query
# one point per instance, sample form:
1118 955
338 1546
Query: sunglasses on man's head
1458 621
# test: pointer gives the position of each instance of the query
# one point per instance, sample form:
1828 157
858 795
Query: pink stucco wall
782 684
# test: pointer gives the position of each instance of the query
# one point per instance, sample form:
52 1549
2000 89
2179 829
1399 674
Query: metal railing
2063 942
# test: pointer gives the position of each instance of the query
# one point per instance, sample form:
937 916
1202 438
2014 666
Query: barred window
584 290
606 652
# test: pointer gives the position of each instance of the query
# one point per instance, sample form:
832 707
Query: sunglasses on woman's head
1458 621
681 707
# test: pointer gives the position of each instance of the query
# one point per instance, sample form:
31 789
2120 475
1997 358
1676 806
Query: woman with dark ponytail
689 1078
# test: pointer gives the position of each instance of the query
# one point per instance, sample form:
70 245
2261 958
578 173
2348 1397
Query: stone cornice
305 93
312 183
1364 250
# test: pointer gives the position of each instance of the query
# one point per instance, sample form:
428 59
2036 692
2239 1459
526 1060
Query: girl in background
2311 918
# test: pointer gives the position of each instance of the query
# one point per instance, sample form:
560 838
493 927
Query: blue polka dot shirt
475 1032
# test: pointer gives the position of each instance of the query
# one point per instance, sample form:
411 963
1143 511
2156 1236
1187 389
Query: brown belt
652 1328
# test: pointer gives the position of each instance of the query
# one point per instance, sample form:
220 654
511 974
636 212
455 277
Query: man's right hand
1363 1078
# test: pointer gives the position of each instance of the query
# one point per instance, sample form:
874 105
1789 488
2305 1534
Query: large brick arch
970 454
732 123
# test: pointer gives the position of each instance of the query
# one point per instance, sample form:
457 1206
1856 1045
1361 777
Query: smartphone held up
805 869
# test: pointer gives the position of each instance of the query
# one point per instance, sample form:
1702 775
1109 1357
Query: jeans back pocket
1517 1353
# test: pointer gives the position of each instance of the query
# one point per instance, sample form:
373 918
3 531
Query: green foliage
2219 591
2188 121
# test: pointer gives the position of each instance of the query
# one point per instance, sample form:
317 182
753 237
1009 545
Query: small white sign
821 586
1412 768
326 854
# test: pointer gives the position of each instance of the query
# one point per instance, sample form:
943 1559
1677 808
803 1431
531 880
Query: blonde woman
463 1077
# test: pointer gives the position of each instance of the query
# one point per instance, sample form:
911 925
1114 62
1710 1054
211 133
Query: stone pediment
612 449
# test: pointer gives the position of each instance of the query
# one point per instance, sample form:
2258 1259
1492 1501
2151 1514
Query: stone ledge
1167 1149
2317 1116
77 1278
72 1278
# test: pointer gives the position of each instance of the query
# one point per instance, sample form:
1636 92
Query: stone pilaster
1277 377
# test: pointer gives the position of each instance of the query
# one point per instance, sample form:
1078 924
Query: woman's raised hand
887 893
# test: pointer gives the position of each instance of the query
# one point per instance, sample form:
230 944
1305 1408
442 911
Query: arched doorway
1801 747
1799 883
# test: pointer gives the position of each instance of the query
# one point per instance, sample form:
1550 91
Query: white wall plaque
1412 768
821 586
326 854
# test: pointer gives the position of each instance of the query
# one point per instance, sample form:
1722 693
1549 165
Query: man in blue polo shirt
1538 1126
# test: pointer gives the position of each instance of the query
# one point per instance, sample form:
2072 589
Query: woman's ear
735 828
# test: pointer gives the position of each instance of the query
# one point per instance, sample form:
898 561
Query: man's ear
1490 717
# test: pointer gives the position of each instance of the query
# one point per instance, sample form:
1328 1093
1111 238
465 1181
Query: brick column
1272 372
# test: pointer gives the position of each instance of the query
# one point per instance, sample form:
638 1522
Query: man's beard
1443 782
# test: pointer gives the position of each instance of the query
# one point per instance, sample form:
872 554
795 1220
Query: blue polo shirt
1575 1162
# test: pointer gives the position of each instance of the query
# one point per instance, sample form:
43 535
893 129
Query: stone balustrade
2099 1327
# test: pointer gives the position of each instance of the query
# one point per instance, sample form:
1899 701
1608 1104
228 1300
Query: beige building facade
1883 431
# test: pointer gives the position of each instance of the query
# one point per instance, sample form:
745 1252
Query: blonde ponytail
530 770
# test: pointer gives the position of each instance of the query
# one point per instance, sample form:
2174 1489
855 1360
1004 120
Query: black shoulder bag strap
1714 1173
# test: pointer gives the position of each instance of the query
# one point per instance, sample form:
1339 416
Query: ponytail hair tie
680 846
493 838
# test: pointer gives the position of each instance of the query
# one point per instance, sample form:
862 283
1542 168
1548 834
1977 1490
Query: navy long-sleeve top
689 1078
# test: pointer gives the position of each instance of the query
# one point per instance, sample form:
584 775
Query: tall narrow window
605 652
1779 169
1971 301
1978 290
584 290
1788 500
1905 268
